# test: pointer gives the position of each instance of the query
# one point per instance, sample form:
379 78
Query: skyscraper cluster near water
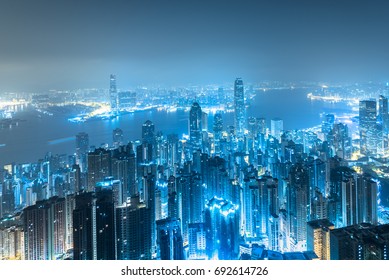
246 191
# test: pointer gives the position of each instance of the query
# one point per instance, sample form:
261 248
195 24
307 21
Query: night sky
69 44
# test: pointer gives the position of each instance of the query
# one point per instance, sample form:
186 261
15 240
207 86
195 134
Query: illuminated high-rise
276 128
117 137
318 237
239 107
367 126
169 240
113 93
82 146
195 126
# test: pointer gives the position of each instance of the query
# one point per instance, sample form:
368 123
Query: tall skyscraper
239 107
82 147
113 94
276 128
195 126
367 126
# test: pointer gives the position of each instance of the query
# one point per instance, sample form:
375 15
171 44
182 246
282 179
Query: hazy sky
68 44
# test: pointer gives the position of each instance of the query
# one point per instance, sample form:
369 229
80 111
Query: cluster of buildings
243 191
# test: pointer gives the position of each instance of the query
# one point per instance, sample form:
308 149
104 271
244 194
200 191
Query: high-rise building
239 107
383 114
127 100
99 167
133 230
195 126
298 206
148 132
45 229
276 128
117 137
169 240
367 126
221 219
197 241
318 237
82 147
327 123
93 226
113 94
360 242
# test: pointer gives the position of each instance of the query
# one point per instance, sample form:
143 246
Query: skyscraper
82 146
117 137
239 107
148 134
113 94
195 125
169 240
276 128
367 126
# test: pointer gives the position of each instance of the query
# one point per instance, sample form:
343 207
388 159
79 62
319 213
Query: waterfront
40 133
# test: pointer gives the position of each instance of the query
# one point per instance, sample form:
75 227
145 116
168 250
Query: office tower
113 94
367 126
239 107
195 126
197 241
318 237
276 128
99 167
360 242
327 124
148 134
169 240
221 219
133 227
93 226
127 100
117 137
82 147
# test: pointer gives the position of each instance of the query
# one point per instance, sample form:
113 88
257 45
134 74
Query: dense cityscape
224 191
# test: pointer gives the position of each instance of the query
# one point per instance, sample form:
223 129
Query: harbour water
40 133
